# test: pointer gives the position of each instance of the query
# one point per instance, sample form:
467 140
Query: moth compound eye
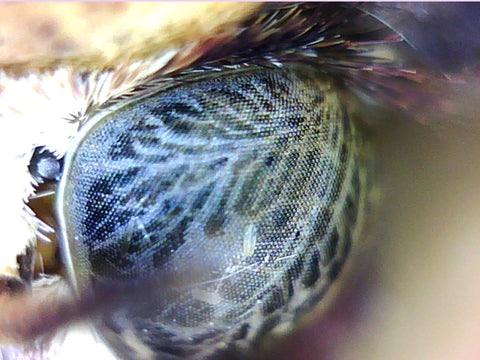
250 174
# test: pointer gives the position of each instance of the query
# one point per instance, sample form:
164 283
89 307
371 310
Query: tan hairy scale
41 34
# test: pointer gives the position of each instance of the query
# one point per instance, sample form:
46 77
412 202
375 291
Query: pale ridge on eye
252 174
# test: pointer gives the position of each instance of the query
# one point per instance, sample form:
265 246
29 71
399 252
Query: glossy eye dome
250 174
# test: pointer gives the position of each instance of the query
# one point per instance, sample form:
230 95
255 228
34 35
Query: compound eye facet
250 174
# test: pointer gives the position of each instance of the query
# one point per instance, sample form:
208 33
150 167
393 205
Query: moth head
87 67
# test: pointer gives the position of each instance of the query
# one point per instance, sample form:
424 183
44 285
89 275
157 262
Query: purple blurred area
447 34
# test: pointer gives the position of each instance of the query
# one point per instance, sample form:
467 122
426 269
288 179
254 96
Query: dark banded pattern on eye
252 174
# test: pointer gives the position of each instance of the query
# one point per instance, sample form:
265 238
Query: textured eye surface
252 174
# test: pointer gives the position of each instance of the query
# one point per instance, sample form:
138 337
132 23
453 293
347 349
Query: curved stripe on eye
252 174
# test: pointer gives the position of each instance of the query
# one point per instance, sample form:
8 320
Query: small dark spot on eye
273 300
295 269
171 241
289 287
218 164
248 87
292 160
343 153
218 218
108 184
161 186
233 97
356 184
122 148
312 269
269 160
107 262
331 246
242 332
347 241
281 88
176 236
175 116
318 98
182 127
326 217
202 197
102 186
177 108
311 158
337 182
351 209
97 233
282 216
335 270
146 124
147 140
319 229
134 244
334 135
294 121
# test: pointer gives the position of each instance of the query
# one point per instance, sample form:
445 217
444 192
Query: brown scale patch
46 259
